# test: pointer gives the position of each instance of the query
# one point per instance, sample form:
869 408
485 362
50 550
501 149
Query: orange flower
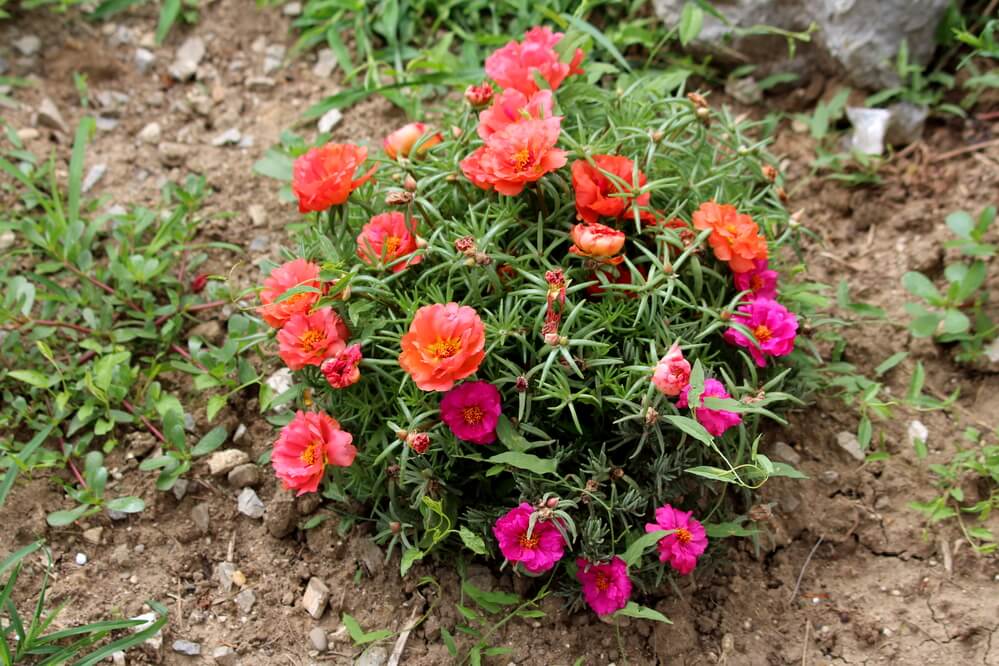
309 339
324 177
297 273
386 238
400 142
597 241
597 195
445 343
735 238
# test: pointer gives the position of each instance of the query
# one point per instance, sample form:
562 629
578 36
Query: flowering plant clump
548 335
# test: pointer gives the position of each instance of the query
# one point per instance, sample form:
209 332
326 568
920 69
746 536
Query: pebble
260 83
224 656
329 120
326 62
222 462
28 134
225 571
7 239
848 442
49 116
240 431
783 451
830 476
187 647
121 554
228 137
376 656
247 475
105 123
315 598
155 642
201 517
93 535
122 36
188 58
318 640
918 432
144 60
173 154
280 381
258 216
292 9
81 559
28 45
245 600
118 658
114 514
273 58
308 503
259 45
151 133
95 173
249 504
259 243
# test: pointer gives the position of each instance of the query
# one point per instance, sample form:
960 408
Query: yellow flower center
445 347
602 581
391 245
313 453
762 333
683 536
529 542
730 228
522 158
311 339
472 415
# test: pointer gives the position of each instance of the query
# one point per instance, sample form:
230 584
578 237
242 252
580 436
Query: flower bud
563 341
617 473
698 100
479 96
657 136
483 259
409 183
456 131
401 435
451 177
198 282
465 245
419 442
521 384
552 339
769 173
421 242
552 502
782 195
395 527
651 416
470 262
399 143
591 486
725 315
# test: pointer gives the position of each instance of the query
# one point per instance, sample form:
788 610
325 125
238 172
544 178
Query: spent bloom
445 344
341 370
606 586
479 96
735 238
471 410
774 329
305 446
419 442
715 421
537 550
514 65
687 542
519 154
761 281
401 142
309 339
672 373
513 106
598 195
324 176
386 238
597 241
297 273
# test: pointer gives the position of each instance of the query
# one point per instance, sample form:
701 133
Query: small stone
308 503
326 62
830 476
848 442
144 60
224 572
173 154
282 517
743 90
243 476
28 45
121 554
7 239
187 59
239 578
273 58
259 44
139 549
318 640
95 173
122 36
49 116
292 9
28 134
316 596
371 556
906 123
240 431
81 559
209 331
151 133
258 215
229 137
329 120
786 453
224 656
992 351
93 535
259 244
918 432
106 124
869 127
201 517
260 83
376 656
249 504
118 658
189 423
187 647
222 462
245 600
139 443
155 642
279 382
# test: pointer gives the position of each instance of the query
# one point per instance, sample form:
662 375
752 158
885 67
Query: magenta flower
687 542
538 551
606 586
471 410
761 280
672 372
715 421
772 325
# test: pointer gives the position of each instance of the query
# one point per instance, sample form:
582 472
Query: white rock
49 116
258 216
249 504
228 137
7 239
245 600
260 83
28 134
28 45
144 59
273 58
222 461
259 44
869 126
848 442
148 619
151 133
118 658
106 124
326 62
81 559
316 596
187 59
224 656
318 639
187 647
918 431
292 9
329 120
240 431
225 571
95 173
280 381
122 36
93 535
992 351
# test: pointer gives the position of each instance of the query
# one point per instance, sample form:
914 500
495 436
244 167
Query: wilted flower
774 329
465 245
324 176
341 370
472 410
401 142
309 339
537 550
305 446
606 586
445 344
687 542
715 421
514 65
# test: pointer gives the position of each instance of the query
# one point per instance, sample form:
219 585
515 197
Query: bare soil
846 574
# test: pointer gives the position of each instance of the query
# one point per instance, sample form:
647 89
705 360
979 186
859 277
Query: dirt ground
847 574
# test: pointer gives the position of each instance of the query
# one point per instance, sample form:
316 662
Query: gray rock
187 647
151 133
187 59
259 243
122 36
292 9
201 518
273 58
260 83
114 514
786 453
282 516
189 423
857 39
121 555
49 116
869 127
105 123
308 503
905 125
326 62
245 600
243 476
316 596
228 137
848 442
318 640
224 656
240 432
329 120
744 90
173 154
374 656
222 462
28 45
224 572
371 556
93 535
249 504
144 60
139 443
95 173
180 489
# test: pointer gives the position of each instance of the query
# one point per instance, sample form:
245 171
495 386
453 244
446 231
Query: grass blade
598 37
84 131
9 478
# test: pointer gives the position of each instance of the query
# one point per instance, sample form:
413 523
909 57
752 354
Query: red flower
515 65
341 370
598 195
199 282
519 154
324 177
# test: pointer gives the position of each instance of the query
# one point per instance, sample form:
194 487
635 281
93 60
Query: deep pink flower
537 552
310 339
606 586
514 65
305 446
772 325
471 410
761 281
513 106
341 370
672 372
687 542
715 421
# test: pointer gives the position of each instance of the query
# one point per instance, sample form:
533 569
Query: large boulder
856 39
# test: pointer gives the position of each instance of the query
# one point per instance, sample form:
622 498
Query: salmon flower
401 142
597 241
387 238
519 154
297 273
305 446
514 65
598 195
324 176
735 238
309 339
341 370
513 106
445 343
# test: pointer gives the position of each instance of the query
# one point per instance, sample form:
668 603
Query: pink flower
519 154
297 273
687 542
310 339
606 587
386 238
772 325
471 410
305 446
538 551
341 370
672 373
514 65
715 421
513 106
418 441
760 280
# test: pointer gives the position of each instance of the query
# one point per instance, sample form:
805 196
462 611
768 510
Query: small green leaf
63 518
724 530
128 504
472 541
691 427
691 20
955 321
212 440
409 557
530 462
643 613
215 405
34 378
890 363
449 643
173 429
361 637
638 547
961 223
919 285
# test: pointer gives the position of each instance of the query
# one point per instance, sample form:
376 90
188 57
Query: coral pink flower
715 421
513 106
514 65
309 339
479 96
445 343
324 177
471 410
538 551
735 238
773 326
687 542
606 586
341 370
598 196
672 373
400 142
597 241
386 238
305 446
297 273
519 154
761 281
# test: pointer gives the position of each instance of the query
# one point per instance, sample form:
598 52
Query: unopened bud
419 442
409 183
591 486
470 261
421 242
395 527
769 173
521 384
552 339
782 195
552 502
456 131
743 151
725 315
401 435
657 136
617 473
795 220
651 415
698 100
465 245
563 341
483 259
451 177
199 282
392 471
479 96
704 115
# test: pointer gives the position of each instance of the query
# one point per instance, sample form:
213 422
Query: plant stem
183 352
146 422
101 285
191 308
